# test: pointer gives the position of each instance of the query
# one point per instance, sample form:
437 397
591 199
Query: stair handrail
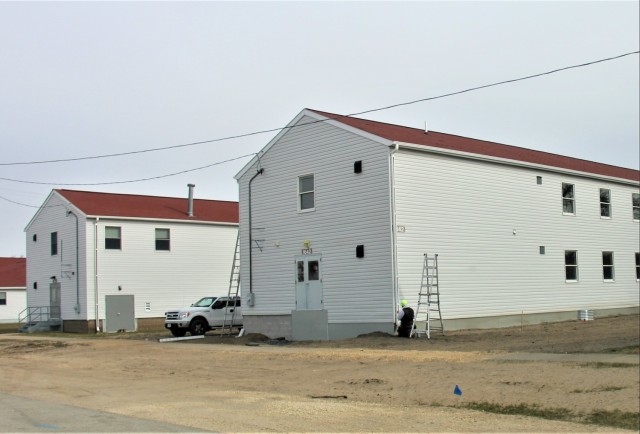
34 314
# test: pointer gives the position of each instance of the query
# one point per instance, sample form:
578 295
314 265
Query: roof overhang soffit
497 160
158 220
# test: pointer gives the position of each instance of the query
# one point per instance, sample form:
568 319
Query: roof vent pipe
426 128
190 209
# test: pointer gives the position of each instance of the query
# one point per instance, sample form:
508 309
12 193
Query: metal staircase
428 308
234 289
39 319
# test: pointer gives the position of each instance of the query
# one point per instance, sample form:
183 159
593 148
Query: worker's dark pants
404 332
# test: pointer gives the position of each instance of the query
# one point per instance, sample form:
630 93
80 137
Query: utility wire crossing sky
85 81
269 131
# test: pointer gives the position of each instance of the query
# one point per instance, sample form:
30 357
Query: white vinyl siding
350 209
15 301
52 217
487 222
199 263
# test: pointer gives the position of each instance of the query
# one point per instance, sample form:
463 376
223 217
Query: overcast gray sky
84 78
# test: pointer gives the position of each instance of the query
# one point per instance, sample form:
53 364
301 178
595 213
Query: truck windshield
205 302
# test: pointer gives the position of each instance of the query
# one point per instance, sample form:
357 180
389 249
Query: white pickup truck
206 314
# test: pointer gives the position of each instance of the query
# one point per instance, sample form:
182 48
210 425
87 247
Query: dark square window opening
608 271
54 243
571 265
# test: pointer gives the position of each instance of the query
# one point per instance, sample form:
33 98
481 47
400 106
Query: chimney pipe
190 209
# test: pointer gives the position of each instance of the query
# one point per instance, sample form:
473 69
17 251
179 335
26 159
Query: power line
18 203
495 84
255 133
29 206
127 181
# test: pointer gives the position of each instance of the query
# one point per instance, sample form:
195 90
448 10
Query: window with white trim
635 202
568 199
637 265
605 203
112 238
163 240
608 270
3 298
571 265
306 193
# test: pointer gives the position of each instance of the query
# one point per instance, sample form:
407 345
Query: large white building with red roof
336 214
13 295
107 262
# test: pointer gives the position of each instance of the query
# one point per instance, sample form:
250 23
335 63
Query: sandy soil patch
375 383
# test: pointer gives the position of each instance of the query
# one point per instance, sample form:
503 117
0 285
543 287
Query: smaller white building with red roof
13 295
108 262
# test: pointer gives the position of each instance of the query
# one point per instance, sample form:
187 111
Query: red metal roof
151 207
464 144
13 272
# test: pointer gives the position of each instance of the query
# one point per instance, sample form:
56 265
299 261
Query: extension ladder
428 308
234 289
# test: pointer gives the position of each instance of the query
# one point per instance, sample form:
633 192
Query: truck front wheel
178 332
198 327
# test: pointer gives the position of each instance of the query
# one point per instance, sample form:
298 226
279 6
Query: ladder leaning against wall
428 307
234 289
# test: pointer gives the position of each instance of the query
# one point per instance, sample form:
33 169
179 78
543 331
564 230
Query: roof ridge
142 195
546 158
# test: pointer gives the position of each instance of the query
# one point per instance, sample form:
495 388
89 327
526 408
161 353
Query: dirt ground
373 383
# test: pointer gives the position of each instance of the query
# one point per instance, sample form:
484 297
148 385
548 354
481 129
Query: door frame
306 259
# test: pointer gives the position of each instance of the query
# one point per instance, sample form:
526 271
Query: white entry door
54 301
309 282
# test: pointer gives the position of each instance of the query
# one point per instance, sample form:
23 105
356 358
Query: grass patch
633 349
531 410
599 389
9 328
614 419
607 365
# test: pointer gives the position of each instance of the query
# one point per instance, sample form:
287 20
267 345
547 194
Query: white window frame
106 230
637 259
571 265
571 199
611 266
300 193
167 239
3 298
635 206
606 205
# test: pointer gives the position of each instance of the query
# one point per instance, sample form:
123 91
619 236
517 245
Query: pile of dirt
608 334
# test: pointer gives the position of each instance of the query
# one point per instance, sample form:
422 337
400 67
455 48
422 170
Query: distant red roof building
13 272
417 136
151 207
